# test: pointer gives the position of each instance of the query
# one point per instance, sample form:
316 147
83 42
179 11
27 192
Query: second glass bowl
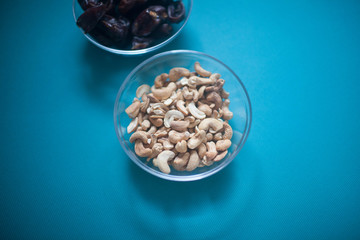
77 11
146 72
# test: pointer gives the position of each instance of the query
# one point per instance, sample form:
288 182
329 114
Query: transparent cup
146 72
177 28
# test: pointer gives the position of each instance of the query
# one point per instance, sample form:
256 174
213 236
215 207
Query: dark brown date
176 12
88 20
149 20
101 38
125 6
115 28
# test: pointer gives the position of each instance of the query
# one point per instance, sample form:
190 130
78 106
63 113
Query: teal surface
63 174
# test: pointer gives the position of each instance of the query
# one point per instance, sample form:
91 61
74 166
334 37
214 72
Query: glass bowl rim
139 51
199 176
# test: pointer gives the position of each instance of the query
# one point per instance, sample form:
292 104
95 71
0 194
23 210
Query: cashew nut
191 119
164 92
218 136
195 123
171 115
160 80
182 82
199 70
211 124
201 91
181 147
145 125
140 150
145 104
168 101
196 95
195 111
180 126
165 142
140 117
205 139
157 148
209 137
160 112
140 135
133 110
217 87
227 114
187 94
175 137
197 139
211 151
215 76
206 109
228 132
180 161
220 156
178 72
143 89
161 133
152 98
159 106
194 161
197 81
152 130
201 150
223 145
157 122
216 114
215 98
162 161
179 95
180 104
156 117
171 99
197 129
133 125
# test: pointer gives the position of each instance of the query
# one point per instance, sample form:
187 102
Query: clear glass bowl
146 72
77 11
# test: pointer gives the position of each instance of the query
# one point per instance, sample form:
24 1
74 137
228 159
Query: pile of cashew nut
182 120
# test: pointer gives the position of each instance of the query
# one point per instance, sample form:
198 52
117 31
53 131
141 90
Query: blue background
63 173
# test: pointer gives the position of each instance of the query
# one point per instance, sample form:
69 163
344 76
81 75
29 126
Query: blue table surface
64 175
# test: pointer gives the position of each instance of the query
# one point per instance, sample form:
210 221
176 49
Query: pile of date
130 24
